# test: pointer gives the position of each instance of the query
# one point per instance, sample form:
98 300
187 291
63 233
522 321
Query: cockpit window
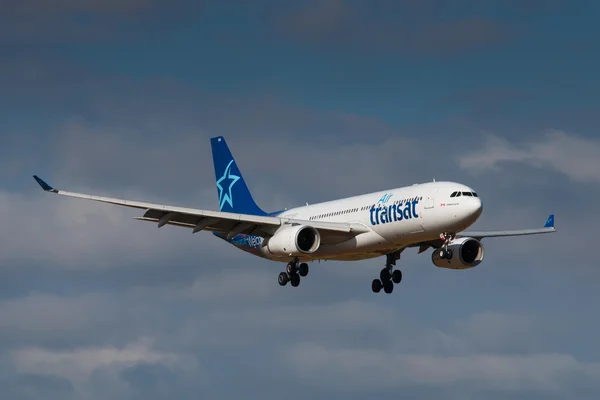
453 194
467 194
475 194
457 194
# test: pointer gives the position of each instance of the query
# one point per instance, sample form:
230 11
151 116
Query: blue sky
318 100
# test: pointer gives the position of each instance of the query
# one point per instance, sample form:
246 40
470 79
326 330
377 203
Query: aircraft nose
476 207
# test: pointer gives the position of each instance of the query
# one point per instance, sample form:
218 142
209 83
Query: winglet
44 185
550 222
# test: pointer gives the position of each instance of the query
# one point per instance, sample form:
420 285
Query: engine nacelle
294 241
466 253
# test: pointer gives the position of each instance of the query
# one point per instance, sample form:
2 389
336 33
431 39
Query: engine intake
294 241
466 253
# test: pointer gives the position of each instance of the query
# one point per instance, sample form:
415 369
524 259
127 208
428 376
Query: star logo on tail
225 195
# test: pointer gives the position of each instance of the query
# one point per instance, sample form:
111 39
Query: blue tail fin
234 195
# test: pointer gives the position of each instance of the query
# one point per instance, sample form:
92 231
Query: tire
397 276
442 253
303 269
295 280
282 279
449 254
388 287
291 268
376 286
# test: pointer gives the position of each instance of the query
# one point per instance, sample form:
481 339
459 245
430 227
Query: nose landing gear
444 251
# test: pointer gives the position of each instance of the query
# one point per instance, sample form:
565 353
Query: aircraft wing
548 228
217 221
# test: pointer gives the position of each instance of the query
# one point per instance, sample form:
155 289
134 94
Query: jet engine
466 253
294 241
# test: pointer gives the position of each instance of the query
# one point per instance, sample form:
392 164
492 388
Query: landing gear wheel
303 269
282 279
449 254
376 286
384 275
295 280
397 276
442 253
388 287
291 268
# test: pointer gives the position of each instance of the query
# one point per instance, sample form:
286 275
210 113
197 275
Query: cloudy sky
318 100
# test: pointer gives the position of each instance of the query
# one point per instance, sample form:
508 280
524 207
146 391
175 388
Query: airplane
429 215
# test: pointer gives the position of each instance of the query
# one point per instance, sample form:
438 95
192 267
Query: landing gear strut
444 251
293 271
388 276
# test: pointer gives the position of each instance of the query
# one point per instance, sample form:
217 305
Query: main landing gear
293 272
444 251
388 276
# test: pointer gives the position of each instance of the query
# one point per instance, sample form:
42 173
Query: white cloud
574 156
364 369
491 331
79 364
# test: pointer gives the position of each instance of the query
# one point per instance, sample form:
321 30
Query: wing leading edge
548 228
215 221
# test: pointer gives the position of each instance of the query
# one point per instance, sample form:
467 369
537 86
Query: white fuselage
396 218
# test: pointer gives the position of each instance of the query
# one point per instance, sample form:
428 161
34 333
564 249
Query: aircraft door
430 200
